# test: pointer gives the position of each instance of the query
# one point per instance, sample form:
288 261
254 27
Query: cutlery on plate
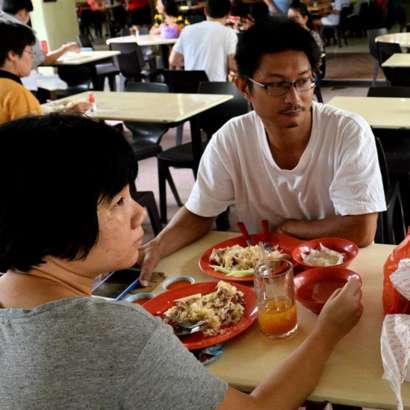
245 233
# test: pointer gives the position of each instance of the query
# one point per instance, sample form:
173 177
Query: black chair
391 227
395 76
186 82
130 62
185 155
371 38
78 79
102 70
399 92
147 131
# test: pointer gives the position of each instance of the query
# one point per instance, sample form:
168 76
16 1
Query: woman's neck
52 281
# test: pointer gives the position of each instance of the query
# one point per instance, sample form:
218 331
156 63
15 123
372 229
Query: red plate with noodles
285 243
161 303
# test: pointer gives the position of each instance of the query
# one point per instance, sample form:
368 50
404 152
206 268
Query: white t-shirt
337 174
206 46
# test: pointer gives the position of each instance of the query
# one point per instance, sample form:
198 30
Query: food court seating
183 81
182 156
396 146
391 227
371 37
395 76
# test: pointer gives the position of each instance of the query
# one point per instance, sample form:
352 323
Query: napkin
395 350
401 278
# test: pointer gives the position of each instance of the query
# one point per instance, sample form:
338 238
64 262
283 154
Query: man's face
293 107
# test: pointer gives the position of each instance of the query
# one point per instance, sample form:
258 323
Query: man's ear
12 56
243 86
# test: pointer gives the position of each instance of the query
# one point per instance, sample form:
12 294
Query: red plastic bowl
315 286
349 248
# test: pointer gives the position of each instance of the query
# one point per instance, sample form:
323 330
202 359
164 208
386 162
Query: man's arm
360 229
292 381
52 56
176 60
184 228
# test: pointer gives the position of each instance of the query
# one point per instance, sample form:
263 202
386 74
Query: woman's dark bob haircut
274 35
54 171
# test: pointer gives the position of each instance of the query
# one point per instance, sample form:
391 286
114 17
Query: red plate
345 246
158 305
286 243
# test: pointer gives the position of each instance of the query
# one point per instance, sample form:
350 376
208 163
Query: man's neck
288 144
9 68
216 20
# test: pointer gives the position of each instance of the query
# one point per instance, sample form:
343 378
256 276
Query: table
353 374
148 40
161 108
379 112
83 57
400 38
146 107
398 60
143 40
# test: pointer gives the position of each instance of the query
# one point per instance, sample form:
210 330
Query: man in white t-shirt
310 169
209 45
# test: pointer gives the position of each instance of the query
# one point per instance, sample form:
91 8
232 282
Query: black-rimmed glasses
281 88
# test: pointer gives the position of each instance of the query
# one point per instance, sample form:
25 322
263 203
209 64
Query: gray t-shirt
81 353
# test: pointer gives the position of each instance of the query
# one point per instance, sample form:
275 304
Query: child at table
168 22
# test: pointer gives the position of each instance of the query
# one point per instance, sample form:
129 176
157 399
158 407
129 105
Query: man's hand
342 311
148 260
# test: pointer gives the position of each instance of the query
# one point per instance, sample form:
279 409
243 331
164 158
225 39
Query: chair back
211 120
75 75
147 87
371 37
130 61
182 81
400 92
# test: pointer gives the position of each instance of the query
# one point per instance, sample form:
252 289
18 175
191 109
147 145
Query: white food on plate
323 257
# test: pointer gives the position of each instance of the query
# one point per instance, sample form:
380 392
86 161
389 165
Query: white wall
55 22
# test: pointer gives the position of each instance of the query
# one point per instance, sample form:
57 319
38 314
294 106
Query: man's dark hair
14 37
54 171
170 8
218 8
14 6
273 35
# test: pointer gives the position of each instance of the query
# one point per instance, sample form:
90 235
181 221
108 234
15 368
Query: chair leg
318 93
180 131
147 200
162 177
173 188
375 72
111 82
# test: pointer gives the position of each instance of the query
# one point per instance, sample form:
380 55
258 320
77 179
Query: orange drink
275 293
277 317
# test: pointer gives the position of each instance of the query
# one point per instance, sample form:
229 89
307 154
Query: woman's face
295 16
24 63
120 234
160 7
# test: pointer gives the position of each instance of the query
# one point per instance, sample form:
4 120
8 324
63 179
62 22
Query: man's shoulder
338 117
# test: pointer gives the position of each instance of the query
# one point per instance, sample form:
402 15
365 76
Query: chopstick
245 233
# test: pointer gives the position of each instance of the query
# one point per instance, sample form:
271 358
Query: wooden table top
398 60
400 38
145 107
353 374
143 40
83 57
379 112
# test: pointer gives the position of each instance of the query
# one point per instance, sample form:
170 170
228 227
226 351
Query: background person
62 349
16 59
19 11
209 45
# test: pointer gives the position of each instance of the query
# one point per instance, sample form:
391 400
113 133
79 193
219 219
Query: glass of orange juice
275 294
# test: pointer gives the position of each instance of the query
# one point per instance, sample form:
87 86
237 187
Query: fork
188 329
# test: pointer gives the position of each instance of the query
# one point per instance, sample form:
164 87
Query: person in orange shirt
16 59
